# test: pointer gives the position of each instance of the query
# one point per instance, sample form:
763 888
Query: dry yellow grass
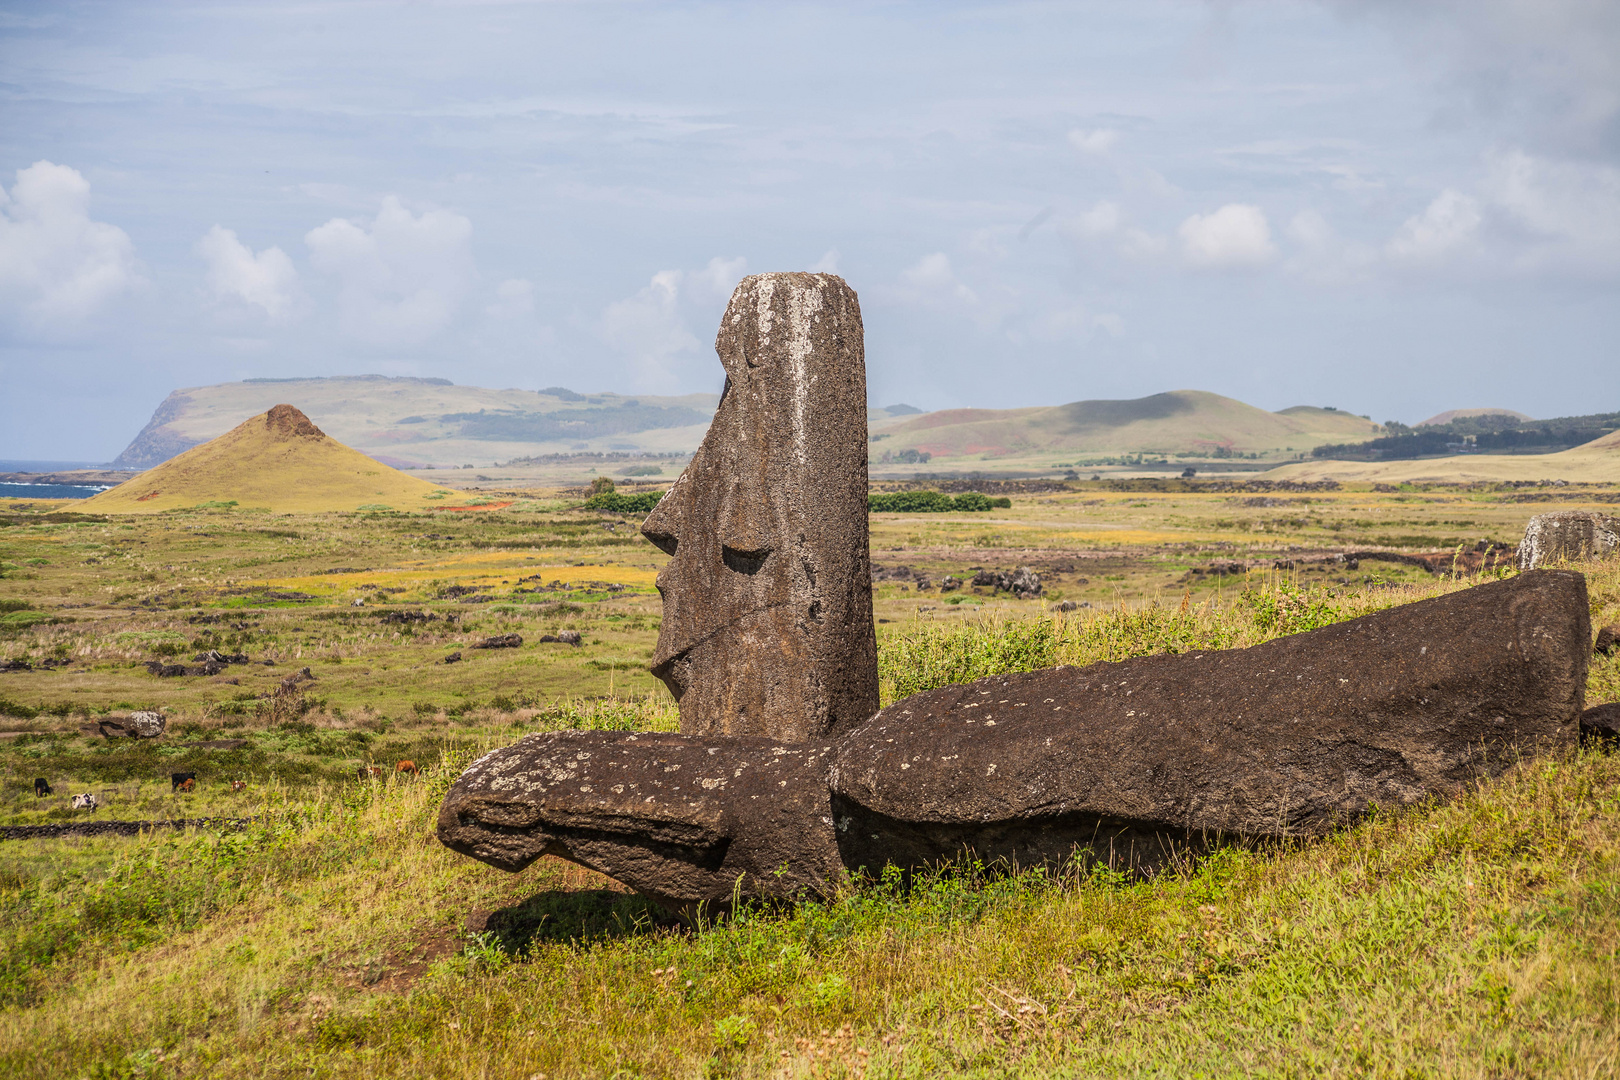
1596 461
277 461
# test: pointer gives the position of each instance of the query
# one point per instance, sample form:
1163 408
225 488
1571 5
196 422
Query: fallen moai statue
786 779
1131 760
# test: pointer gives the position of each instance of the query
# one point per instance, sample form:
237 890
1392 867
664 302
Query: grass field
336 937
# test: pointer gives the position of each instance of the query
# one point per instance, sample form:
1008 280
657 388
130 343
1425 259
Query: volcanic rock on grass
1608 641
1568 535
767 626
685 821
137 725
1600 726
500 641
1289 738
564 637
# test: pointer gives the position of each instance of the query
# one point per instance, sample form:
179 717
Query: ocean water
48 491
25 465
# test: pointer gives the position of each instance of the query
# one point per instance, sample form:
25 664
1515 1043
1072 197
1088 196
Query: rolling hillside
1185 422
276 461
1596 461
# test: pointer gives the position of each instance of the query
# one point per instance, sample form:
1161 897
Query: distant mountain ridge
405 422
409 422
1179 422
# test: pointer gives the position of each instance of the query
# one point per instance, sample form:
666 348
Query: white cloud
402 277
717 280
652 330
1450 223
266 280
1097 141
930 280
827 264
1104 219
1234 237
513 297
1310 229
58 267
1569 211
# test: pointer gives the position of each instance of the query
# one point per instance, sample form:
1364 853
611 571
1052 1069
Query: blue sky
1393 208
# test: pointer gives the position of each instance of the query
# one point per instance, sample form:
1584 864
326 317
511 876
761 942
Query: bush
931 502
615 503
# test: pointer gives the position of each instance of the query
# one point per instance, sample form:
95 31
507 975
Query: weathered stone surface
500 641
1608 640
1568 534
767 625
1292 737
685 821
137 725
1023 583
1600 726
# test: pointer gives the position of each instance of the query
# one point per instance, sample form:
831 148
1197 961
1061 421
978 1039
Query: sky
1392 208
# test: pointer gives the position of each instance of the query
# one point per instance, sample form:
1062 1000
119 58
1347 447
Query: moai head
767 626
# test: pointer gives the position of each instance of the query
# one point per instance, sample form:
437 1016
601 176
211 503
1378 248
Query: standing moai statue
767 624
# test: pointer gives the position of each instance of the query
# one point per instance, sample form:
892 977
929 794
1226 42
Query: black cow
176 779
41 787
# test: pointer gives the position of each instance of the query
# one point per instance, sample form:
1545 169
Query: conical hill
277 461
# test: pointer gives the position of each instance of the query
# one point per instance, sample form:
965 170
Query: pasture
334 936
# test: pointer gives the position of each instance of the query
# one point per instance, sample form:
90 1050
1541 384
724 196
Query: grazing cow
367 772
406 767
41 787
238 785
87 801
178 779
188 786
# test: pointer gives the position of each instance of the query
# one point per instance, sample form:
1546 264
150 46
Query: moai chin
767 625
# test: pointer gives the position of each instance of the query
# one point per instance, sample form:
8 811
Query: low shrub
931 502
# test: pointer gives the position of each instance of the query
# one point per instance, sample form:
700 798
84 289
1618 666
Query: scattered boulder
949 584
1569 535
767 526
1067 605
1600 726
137 725
564 637
1608 641
453 658
500 641
18 664
1023 582
215 657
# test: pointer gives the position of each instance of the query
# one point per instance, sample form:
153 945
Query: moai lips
767 625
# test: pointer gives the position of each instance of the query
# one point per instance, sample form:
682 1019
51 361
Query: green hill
1181 422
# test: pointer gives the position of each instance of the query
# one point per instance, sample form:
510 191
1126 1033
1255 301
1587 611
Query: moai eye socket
743 562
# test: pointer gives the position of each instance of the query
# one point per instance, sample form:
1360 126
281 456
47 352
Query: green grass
335 937
1477 937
